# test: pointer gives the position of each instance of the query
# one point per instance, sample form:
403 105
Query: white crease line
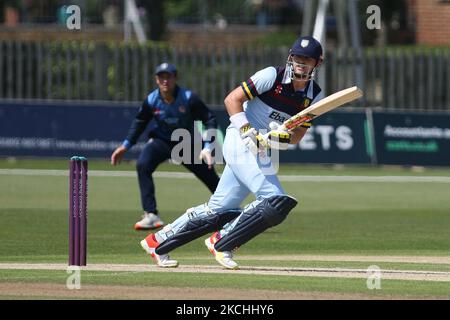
277 271
186 175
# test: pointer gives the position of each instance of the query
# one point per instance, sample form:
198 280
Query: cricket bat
326 104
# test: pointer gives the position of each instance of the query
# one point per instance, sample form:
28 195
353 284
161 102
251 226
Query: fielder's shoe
225 258
149 221
149 244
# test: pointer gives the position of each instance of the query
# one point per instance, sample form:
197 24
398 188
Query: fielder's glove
277 138
253 140
206 156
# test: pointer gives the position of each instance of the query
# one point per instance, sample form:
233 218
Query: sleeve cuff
126 144
239 119
207 145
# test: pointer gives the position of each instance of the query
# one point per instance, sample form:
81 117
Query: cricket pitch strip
416 275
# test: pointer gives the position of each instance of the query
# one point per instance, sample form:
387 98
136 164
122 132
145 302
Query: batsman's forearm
234 101
298 134
234 104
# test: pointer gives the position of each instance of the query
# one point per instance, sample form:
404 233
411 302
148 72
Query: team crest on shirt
182 109
278 89
306 103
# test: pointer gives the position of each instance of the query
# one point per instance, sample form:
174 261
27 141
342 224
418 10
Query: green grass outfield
409 218
37 163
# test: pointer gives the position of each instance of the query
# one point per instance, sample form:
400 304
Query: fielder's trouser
155 152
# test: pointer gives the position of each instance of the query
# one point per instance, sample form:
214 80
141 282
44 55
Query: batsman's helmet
305 46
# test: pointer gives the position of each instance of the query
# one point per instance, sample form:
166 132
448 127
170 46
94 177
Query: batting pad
268 213
197 227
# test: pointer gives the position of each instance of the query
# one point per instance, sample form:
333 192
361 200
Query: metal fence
403 78
186 11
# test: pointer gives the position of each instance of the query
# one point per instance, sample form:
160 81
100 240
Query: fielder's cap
165 67
307 47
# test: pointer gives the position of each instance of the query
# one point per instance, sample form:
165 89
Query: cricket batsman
257 108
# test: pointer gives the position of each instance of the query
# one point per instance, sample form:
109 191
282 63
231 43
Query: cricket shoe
150 244
149 221
225 258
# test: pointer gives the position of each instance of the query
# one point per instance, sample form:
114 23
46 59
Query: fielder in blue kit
257 108
165 110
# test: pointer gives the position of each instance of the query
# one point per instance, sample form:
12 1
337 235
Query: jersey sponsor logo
277 117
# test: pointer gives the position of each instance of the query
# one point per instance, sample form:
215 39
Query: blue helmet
306 47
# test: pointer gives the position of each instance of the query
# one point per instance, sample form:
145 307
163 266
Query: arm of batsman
277 138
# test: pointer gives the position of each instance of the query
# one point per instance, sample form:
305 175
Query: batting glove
277 138
253 140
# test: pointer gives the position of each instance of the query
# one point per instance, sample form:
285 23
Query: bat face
326 104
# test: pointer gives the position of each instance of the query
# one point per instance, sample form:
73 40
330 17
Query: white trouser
243 173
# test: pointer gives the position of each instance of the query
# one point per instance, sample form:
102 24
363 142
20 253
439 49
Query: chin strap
293 77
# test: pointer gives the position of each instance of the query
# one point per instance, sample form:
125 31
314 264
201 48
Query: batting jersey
272 97
165 118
